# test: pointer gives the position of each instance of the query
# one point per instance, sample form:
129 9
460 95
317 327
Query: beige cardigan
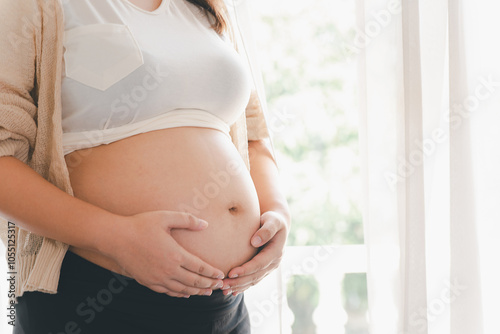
31 53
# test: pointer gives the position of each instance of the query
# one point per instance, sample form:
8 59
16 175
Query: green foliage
303 298
307 75
355 300
304 66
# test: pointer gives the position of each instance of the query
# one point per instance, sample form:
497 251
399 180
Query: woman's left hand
271 237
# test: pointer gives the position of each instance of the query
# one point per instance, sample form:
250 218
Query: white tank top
129 71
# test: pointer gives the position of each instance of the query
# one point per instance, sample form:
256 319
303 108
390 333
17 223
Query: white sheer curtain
240 13
429 107
429 94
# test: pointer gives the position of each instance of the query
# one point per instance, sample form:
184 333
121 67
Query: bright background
310 84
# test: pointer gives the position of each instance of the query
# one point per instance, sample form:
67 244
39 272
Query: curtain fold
411 188
429 108
240 14
429 101
380 63
466 313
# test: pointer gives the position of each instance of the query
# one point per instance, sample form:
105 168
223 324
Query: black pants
94 300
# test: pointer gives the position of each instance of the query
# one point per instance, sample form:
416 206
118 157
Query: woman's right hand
144 248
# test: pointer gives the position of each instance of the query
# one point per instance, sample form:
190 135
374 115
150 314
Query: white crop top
129 71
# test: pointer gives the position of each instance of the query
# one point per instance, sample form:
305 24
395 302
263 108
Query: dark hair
217 9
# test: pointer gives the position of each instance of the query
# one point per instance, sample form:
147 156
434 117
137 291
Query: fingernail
233 276
203 223
218 285
256 241
225 287
208 293
220 276
186 296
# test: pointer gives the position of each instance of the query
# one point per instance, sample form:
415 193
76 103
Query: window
310 81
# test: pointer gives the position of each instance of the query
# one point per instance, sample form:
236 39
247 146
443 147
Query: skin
275 222
158 261
149 5
275 214
151 171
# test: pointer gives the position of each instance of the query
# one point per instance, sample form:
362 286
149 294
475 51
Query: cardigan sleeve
17 79
256 122
257 126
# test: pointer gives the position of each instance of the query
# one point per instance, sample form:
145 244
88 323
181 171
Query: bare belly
188 169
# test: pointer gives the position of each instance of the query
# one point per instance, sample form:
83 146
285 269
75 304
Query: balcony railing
267 305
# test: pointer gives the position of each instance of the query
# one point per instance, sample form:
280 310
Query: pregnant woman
140 192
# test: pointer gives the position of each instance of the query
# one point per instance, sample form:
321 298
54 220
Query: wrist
111 235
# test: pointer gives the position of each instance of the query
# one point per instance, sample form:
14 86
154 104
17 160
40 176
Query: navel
234 209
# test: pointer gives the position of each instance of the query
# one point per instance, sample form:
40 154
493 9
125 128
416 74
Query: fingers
197 266
239 285
271 253
250 273
184 290
264 234
249 278
260 262
187 283
183 220
162 289
271 225
200 282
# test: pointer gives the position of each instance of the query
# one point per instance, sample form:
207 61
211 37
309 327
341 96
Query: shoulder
20 19
26 10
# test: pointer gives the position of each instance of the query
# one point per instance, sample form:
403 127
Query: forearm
266 180
36 205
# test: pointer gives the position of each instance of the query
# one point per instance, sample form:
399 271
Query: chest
123 64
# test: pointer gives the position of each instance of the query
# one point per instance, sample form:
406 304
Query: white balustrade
267 304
